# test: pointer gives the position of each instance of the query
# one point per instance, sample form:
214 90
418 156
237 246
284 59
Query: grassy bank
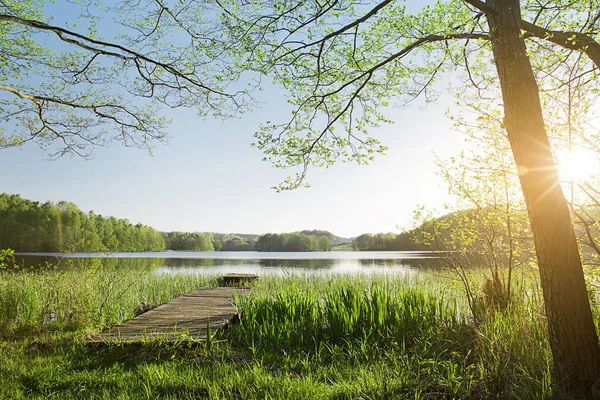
300 337
82 297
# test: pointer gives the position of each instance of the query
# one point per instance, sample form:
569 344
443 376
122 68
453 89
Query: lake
251 262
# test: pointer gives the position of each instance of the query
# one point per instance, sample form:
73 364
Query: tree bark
572 333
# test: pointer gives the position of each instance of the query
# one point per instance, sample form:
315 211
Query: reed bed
91 296
419 328
300 337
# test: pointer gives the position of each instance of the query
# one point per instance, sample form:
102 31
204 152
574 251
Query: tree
387 242
324 243
318 232
188 241
577 362
339 77
88 83
291 242
342 61
26 225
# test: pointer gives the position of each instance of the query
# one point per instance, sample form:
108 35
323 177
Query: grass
76 297
300 337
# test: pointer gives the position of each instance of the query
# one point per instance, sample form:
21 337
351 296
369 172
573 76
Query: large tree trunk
571 328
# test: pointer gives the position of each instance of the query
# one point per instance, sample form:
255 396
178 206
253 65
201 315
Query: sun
579 164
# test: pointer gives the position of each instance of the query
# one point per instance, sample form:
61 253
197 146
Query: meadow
300 337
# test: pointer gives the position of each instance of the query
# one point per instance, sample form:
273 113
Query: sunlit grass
84 297
300 337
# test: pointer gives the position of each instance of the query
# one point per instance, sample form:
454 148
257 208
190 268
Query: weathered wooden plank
187 316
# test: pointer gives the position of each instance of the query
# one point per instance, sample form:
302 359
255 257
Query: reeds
423 325
299 337
338 310
96 295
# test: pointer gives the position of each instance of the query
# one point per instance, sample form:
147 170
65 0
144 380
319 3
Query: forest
31 226
388 242
293 242
208 241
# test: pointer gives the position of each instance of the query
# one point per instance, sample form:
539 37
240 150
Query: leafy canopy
343 64
68 88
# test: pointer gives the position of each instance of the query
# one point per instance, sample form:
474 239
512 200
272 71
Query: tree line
387 242
31 226
308 240
188 241
292 242
195 241
234 242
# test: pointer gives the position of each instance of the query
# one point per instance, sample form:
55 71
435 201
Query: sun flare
577 165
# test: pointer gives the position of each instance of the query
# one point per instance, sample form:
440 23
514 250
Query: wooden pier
186 317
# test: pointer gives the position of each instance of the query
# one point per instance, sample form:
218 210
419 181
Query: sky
209 179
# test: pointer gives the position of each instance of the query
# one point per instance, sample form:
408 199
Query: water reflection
306 264
61 262
263 266
246 262
408 262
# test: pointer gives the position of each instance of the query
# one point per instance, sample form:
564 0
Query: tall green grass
96 295
340 337
422 326
300 314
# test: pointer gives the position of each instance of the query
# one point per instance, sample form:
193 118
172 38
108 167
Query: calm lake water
251 262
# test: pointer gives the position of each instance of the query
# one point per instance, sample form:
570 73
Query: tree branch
123 53
569 40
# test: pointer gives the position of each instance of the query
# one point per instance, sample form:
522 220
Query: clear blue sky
209 178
